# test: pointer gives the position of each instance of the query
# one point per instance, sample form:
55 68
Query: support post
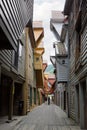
11 101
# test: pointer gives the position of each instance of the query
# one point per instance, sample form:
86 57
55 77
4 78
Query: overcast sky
42 11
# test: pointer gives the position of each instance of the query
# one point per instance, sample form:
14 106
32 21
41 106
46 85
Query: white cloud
43 11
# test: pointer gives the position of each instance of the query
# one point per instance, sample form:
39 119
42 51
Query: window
63 61
37 59
15 59
20 50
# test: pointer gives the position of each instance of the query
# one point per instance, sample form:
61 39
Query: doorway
64 100
77 104
85 104
30 96
17 99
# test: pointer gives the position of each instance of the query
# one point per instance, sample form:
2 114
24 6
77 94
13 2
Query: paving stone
48 117
45 117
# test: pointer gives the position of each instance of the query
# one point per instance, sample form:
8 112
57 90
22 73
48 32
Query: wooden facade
30 82
77 39
15 16
38 57
60 60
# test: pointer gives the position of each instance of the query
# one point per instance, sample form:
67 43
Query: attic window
63 61
37 59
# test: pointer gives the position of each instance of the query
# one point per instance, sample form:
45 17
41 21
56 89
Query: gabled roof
50 78
46 88
51 81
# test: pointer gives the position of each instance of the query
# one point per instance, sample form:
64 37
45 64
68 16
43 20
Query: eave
6 37
51 81
61 55
31 33
67 7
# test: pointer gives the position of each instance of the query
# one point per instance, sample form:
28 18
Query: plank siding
84 46
62 72
84 12
14 17
76 76
6 57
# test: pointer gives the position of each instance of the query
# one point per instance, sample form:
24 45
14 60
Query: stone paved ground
47 117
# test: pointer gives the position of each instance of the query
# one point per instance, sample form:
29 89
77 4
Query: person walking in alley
48 100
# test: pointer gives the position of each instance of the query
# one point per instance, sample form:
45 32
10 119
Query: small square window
63 61
37 59
20 50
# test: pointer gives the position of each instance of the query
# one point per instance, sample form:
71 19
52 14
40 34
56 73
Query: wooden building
76 10
15 16
49 84
60 60
30 79
38 57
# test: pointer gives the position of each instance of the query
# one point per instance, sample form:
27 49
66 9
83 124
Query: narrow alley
46 117
43 65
